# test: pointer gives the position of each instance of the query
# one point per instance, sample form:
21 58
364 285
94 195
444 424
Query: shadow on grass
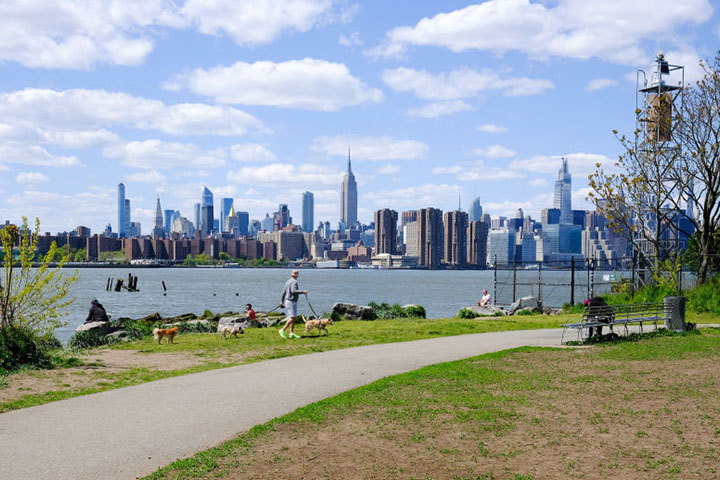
614 339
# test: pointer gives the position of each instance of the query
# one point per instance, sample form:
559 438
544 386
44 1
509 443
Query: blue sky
259 100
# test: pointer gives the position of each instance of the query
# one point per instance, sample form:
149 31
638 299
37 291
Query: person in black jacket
97 313
599 312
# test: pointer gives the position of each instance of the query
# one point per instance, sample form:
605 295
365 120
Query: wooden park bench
618 315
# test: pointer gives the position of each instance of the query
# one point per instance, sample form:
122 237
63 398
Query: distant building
563 193
158 228
477 243
550 216
281 218
225 205
430 237
412 239
197 212
408 216
348 197
455 226
475 211
168 217
121 225
266 224
385 231
207 220
308 211
502 247
183 227
243 222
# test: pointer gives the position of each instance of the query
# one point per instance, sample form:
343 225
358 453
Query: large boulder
487 310
232 320
354 312
98 328
525 303
155 317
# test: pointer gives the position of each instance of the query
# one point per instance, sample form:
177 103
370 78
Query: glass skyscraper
563 193
348 197
308 212
121 211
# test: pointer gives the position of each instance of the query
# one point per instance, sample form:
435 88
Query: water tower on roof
657 103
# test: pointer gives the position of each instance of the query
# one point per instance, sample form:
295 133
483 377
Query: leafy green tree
80 255
34 299
117 256
224 256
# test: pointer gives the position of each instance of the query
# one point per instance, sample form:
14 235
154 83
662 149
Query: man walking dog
289 301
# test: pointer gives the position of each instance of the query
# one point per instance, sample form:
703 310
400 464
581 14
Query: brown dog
320 324
230 330
170 333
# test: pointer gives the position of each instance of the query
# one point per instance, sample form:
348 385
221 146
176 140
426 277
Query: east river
442 292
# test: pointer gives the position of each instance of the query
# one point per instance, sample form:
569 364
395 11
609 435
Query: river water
442 292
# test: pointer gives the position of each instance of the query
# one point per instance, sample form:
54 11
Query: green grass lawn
613 411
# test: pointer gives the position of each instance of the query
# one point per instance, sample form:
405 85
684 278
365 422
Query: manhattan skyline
434 99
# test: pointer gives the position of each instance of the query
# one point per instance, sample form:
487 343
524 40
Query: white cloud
153 176
477 172
371 148
79 35
309 84
284 174
12 152
461 83
31 177
451 170
61 114
389 170
156 154
85 208
77 139
600 83
420 196
251 152
494 151
578 163
257 22
437 109
491 128
351 41
539 182
508 208
567 28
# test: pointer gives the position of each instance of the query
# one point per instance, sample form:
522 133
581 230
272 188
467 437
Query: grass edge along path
347 334
210 463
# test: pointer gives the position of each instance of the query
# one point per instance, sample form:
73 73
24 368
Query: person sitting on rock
97 313
485 300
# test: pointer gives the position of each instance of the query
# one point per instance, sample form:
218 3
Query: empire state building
348 197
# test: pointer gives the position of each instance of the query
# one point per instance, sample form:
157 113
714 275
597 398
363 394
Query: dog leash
268 313
311 307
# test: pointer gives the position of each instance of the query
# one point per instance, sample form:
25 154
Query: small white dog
230 330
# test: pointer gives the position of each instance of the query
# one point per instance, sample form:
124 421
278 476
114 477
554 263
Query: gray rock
486 310
524 302
354 312
120 335
97 327
551 311
233 321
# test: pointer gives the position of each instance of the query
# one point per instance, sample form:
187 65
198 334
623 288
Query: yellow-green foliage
32 297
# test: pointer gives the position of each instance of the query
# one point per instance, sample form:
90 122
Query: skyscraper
386 231
563 193
128 223
430 237
225 205
308 212
477 243
455 226
196 216
348 197
207 212
159 228
121 225
475 212
281 218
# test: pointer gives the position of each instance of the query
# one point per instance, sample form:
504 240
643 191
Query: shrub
20 346
197 327
137 330
415 311
335 316
466 313
523 312
706 297
576 308
90 338
207 314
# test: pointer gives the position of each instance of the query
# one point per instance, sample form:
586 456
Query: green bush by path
385 311
22 347
706 297
466 313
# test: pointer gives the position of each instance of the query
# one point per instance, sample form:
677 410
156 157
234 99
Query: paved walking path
131 432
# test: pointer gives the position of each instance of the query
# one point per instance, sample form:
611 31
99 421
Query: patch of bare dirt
97 369
590 419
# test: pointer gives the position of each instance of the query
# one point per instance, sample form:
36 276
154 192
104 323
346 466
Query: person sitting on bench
598 311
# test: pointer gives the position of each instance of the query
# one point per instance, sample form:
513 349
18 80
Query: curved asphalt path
131 432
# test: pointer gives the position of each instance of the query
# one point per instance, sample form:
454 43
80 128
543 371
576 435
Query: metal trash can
675 313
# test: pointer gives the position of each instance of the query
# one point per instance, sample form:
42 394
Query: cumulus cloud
491 128
438 109
77 139
79 35
350 41
308 84
477 171
600 83
251 152
371 148
80 110
17 153
156 154
388 169
153 176
578 163
85 208
566 28
461 83
31 177
258 22
420 196
494 151
539 182
284 174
